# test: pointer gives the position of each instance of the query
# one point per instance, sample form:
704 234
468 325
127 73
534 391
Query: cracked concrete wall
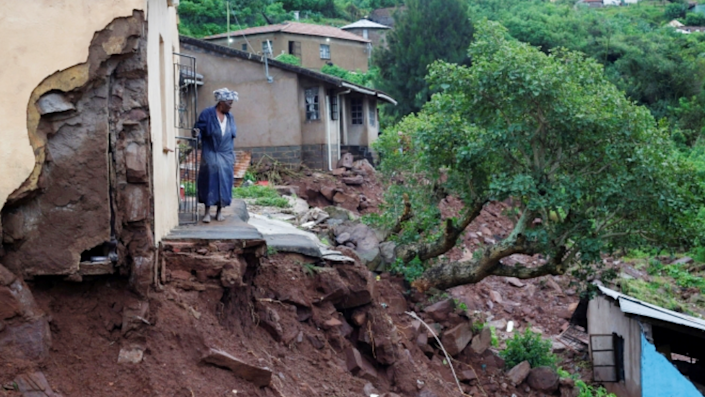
41 37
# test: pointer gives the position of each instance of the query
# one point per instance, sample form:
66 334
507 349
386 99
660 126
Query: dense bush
530 347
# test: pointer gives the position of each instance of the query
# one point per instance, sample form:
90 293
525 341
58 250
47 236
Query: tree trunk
445 243
451 274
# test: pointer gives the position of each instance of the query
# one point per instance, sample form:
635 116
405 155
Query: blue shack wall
660 378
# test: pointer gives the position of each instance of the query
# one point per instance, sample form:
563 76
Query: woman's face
225 106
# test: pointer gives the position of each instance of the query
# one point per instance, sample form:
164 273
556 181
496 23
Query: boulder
482 341
364 165
683 261
455 339
258 376
358 365
386 250
496 297
515 282
467 375
328 192
340 213
346 161
543 379
439 311
349 201
519 373
339 171
354 180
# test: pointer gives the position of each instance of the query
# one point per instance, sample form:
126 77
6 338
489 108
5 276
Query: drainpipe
328 140
337 96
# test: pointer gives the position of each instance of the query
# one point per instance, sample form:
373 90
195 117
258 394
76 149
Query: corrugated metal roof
365 24
294 28
637 307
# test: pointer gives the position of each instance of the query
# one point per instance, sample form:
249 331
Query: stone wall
315 156
93 197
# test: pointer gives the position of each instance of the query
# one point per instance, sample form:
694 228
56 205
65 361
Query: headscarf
225 94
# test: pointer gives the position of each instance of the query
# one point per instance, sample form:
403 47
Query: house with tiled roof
314 45
367 29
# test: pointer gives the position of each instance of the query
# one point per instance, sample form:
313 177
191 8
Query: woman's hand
195 132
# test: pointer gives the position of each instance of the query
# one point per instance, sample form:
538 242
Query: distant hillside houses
603 3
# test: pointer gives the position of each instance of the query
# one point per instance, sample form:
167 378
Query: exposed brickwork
290 155
315 156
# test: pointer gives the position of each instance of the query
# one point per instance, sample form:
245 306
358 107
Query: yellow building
87 135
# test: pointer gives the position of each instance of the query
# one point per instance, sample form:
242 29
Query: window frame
324 54
357 116
334 109
243 47
313 109
265 49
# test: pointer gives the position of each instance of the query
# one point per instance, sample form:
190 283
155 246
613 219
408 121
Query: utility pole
227 7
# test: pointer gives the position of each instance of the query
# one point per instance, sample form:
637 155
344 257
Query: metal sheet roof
637 307
294 28
365 24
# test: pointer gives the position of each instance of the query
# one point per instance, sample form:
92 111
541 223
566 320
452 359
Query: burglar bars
186 81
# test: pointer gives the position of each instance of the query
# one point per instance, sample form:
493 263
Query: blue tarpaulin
215 178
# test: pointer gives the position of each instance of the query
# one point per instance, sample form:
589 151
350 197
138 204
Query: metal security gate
607 352
186 81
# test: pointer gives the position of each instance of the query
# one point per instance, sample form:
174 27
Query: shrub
589 391
530 347
290 59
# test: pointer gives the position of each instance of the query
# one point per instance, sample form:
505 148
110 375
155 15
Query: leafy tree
589 170
695 19
675 10
428 30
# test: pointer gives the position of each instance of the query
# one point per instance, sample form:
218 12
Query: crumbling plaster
43 37
35 46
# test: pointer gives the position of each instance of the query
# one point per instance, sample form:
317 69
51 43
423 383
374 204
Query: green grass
280 202
254 192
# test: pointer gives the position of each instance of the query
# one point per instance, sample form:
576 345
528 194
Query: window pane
266 47
356 110
311 96
325 51
244 47
371 115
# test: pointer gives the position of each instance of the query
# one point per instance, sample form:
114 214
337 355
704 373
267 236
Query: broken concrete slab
258 376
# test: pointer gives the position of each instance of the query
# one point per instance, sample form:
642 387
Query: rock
496 297
439 311
500 324
131 355
519 372
482 341
331 323
369 389
54 102
349 201
513 281
298 205
346 160
364 165
359 317
455 339
553 284
340 213
136 163
467 375
141 274
258 376
358 365
530 290
557 346
354 180
386 250
543 379
135 201
328 192
270 321
486 231
338 171
683 261
342 238
134 315
34 384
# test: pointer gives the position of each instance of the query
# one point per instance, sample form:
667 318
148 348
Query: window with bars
325 51
356 110
312 110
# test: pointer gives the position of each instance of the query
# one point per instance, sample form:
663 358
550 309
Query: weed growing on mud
530 347
411 271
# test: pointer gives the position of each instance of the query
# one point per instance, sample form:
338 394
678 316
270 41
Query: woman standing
215 178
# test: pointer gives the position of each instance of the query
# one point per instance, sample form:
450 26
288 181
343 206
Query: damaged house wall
39 38
660 378
88 190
